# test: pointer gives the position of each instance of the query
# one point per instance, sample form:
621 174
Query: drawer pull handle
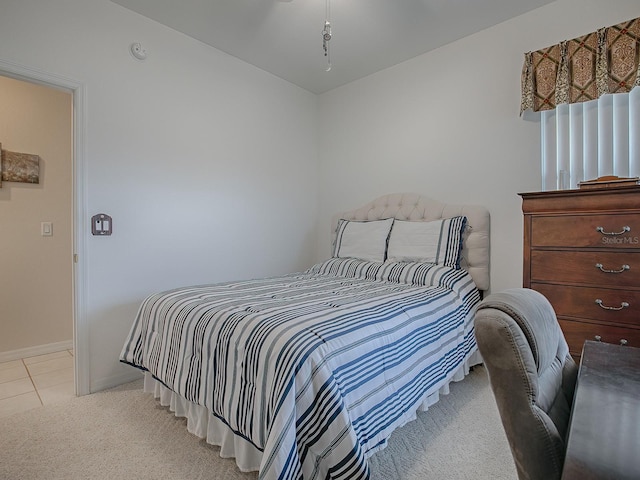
622 305
623 342
625 229
622 268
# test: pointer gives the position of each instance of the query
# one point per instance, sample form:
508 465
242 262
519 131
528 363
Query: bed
306 375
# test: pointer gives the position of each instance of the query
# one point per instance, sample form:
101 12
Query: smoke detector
138 52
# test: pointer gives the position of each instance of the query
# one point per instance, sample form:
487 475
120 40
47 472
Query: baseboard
34 351
115 380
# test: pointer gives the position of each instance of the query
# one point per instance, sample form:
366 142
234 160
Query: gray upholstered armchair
532 376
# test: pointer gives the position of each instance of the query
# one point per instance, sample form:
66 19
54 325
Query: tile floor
35 381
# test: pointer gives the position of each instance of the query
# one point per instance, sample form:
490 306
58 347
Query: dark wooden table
604 431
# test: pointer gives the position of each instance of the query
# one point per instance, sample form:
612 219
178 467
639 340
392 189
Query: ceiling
284 37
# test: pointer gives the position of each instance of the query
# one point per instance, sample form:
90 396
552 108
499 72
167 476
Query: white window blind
584 141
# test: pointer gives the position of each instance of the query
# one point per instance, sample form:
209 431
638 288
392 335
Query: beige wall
36 271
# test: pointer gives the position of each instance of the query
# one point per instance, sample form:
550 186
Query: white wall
191 152
35 271
446 124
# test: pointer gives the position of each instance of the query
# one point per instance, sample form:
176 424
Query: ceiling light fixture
326 34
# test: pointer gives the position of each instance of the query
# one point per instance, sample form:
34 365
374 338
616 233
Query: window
590 110
584 141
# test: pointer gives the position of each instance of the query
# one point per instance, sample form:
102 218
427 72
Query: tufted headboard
410 206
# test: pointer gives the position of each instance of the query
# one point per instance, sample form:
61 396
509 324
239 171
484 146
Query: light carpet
123 433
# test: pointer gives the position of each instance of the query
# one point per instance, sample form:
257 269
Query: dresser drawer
608 269
577 332
611 231
580 302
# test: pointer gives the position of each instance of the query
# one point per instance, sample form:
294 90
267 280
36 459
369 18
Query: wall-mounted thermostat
101 224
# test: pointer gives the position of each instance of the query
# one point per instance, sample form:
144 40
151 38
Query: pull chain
326 35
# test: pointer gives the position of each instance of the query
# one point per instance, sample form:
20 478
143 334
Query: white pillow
438 241
363 240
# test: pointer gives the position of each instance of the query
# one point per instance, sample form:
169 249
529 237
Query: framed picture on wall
20 167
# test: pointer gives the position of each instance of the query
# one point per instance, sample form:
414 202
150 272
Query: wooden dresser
582 251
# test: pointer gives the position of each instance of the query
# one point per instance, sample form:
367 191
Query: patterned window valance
582 69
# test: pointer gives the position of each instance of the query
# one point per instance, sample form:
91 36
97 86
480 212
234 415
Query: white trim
80 326
114 380
35 351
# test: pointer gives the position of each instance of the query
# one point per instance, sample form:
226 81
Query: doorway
76 206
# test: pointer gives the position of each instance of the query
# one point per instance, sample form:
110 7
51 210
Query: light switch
101 224
46 229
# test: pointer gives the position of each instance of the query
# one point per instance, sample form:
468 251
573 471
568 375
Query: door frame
79 185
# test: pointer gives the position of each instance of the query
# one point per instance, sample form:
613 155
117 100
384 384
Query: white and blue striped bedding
315 369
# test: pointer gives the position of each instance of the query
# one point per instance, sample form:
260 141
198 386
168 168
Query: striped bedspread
315 369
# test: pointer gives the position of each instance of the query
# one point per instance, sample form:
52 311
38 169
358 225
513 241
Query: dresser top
611 199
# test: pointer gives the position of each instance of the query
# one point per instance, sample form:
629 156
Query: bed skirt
210 428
